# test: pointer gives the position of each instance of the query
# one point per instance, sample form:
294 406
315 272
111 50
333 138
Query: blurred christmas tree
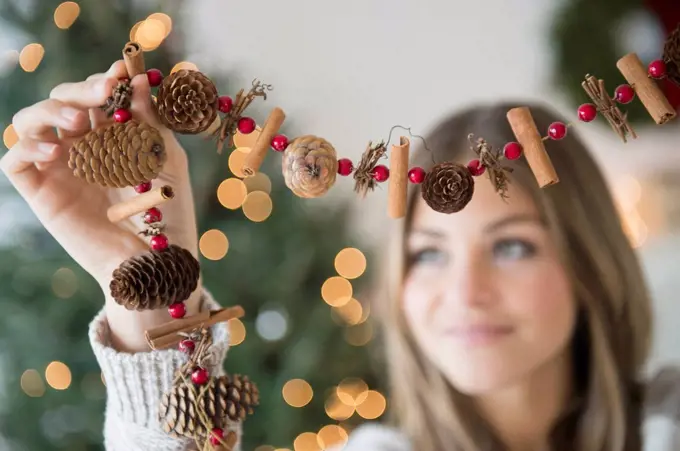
275 268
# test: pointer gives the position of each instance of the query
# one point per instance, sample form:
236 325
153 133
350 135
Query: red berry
153 214
246 125
624 94
216 435
143 188
155 77
279 143
512 150
476 168
657 69
587 112
177 310
345 166
122 116
187 346
225 104
416 175
159 242
200 376
557 130
381 173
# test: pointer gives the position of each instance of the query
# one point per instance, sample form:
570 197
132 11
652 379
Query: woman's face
486 296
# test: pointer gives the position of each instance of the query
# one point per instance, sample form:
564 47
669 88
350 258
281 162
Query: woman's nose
470 284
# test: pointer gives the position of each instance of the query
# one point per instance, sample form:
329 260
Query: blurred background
347 71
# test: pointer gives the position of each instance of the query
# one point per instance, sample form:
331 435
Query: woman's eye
513 249
429 255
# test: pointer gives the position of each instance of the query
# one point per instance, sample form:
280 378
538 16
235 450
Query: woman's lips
478 334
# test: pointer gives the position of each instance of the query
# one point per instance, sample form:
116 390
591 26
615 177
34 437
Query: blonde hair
612 336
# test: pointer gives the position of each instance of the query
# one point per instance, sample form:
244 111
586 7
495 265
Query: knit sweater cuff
136 382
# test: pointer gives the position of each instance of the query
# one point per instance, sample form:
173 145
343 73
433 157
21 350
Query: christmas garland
131 153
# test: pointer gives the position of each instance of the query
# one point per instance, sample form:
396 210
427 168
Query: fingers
85 94
19 163
39 121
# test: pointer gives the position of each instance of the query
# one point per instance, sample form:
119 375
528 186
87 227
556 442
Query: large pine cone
155 279
310 166
119 155
448 187
671 56
187 102
224 399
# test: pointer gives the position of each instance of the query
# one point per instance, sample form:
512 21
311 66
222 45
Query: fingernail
47 148
70 114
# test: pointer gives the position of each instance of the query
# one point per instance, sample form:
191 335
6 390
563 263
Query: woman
519 325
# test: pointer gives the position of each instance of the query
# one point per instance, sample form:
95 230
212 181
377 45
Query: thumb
142 105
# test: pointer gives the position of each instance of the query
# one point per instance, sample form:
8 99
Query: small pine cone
671 56
120 99
178 414
155 279
310 166
187 102
230 398
448 187
119 155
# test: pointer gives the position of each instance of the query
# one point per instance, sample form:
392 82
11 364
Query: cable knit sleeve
136 382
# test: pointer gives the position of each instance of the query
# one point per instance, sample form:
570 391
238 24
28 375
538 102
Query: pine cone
448 187
671 56
119 155
310 166
187 102
224 399
155 279
120 99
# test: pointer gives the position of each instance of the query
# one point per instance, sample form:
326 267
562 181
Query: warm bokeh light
359 335
10 137
336 409
231 193
246 140
64 283
352 391
265 448
236 161
133 30
373 406
350 313
243 149
150 34
58 375
306 442
237 331
165 20
184 65
331 436
66 14
213 244
31 56
350 263
32 384
297 393
336 291
258 182
258 206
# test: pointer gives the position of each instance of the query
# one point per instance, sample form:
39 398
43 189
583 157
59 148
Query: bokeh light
265 448
183 65
350 313
297 392
258 182
58 375
10 137
350 263
64 283
306 441
213 244
359 335
165 20
31 56
134 29
352 391
258 206
236 161
246 140
336 409
373 406
331 436
231 193
32 384
66 14
237 331
150 34
336 291
272 324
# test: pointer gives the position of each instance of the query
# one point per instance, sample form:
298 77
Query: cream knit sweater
135 383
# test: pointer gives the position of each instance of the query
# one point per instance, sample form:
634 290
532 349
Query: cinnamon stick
398 185
527 135
646 89
170 334
139 203
134 59
259 151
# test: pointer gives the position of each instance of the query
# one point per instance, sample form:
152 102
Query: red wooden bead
216 435
225 104
143 188
122 116
381 173
246 125
657 69
345 166
155 77
200 376
587 112
416 175
512 150
557 130
475 167
279 143
177 310
187 346
153 214
159 242
624 94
